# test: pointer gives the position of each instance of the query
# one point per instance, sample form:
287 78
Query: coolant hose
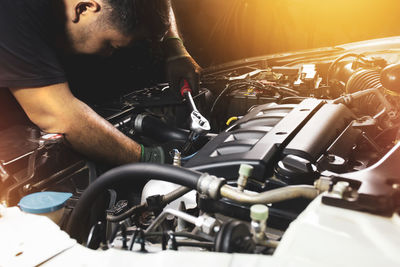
168 173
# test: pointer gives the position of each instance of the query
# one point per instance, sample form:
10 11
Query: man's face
98 41
90 31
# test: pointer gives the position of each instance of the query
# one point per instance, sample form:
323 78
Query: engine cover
268 134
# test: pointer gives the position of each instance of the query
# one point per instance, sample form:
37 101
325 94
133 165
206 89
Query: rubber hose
121 174
158 130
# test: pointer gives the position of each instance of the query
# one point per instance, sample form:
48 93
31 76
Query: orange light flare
244 28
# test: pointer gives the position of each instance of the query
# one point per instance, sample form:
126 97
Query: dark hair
152 16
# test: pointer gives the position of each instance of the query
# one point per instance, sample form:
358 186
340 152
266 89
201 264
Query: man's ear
83 7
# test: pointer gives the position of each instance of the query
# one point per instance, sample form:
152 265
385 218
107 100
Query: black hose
155 128
122 174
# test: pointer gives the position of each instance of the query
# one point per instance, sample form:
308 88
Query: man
33 32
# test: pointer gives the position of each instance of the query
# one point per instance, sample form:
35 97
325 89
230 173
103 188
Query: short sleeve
27 57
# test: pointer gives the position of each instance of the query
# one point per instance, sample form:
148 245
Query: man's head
101 26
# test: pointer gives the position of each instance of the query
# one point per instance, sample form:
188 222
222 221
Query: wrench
199 125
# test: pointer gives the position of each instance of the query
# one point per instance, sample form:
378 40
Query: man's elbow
52 108
50 122
66 119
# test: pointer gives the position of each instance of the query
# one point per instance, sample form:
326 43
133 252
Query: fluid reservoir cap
259 212
43 202
245 170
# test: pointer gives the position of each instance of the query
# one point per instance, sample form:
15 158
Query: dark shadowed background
217 31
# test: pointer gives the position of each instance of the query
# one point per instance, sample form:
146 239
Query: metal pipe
189 218
271 196
205 223
177 193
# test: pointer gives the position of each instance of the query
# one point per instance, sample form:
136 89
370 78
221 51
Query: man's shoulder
27 35
20 16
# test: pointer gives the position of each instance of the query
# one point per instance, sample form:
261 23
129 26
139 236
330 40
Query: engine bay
276 132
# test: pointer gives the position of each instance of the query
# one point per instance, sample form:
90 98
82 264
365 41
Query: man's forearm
55 110
173 30
93 136
173 46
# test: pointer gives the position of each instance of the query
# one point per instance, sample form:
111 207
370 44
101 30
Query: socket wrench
200 124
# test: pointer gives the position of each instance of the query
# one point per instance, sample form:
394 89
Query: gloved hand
180 68
160 154
153 154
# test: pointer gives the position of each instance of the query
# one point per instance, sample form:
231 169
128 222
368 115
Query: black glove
153 154
161 154
180 68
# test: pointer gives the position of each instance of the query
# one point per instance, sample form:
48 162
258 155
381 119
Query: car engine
262 139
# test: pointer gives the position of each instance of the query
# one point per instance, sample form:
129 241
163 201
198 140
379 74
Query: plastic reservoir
49 204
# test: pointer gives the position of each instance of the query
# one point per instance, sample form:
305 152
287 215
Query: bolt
335 160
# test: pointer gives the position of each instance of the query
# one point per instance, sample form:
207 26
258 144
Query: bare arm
55 110
174 47
173 30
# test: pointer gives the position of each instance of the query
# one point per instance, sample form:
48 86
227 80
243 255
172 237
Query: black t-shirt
27 34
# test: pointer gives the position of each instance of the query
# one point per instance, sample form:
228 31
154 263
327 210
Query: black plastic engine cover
257 139
322 129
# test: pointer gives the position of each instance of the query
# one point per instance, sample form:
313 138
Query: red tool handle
185 88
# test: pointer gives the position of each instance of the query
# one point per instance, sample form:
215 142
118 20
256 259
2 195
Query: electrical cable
189 157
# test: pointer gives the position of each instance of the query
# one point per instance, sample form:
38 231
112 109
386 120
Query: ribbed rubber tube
168 173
